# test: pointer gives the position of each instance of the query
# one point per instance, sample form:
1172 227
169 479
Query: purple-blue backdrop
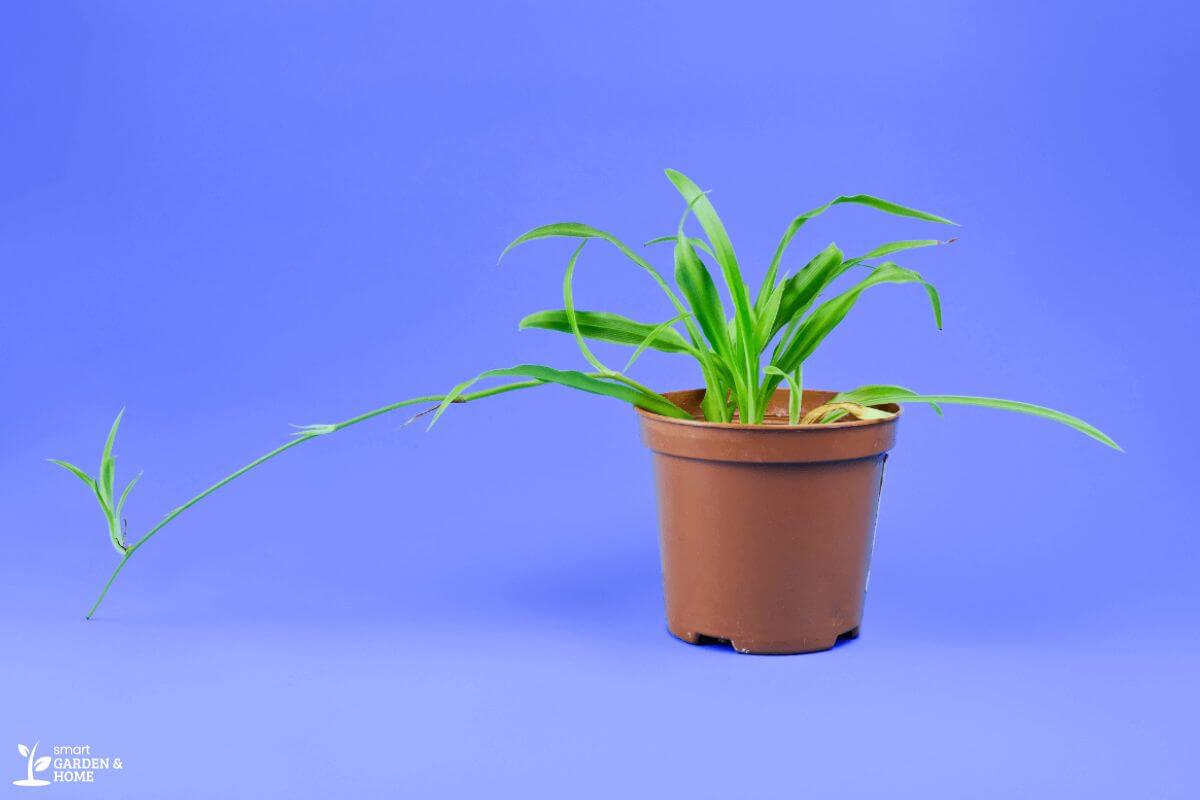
229 217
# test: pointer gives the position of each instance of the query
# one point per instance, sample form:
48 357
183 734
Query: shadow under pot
766 530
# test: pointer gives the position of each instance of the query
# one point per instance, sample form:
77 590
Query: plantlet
782 325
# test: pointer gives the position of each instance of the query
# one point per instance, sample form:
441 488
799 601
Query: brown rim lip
765 428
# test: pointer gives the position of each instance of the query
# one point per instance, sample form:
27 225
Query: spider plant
742 357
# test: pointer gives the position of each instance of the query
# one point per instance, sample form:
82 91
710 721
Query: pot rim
769 427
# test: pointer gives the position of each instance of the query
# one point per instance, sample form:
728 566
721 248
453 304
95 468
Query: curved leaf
578 230
696 242
575 380
795 391
653 336
612 328
898 247
743 312
569 308
827 316
860 199
42 764
23 750
827 412
873 395
76 471
125 494
801 289
869 396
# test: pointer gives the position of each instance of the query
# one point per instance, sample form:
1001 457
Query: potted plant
767 491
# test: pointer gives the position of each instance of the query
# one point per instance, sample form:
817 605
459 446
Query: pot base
764 648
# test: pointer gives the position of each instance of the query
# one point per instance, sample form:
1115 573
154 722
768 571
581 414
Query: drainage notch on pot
766 530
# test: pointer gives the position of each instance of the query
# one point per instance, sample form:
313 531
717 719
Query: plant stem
302 438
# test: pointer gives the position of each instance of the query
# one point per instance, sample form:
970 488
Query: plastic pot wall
766 530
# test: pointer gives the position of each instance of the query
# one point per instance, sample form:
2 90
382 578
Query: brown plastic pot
766 530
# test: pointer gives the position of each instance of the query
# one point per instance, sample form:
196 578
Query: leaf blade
606 327
74 470
830 314
650 337
579 230
125 493
879 397
107 468
871 201
572 379
743 312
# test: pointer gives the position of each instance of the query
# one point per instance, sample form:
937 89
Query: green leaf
106 476
805 286
829 314
897 247
74 470
743 313
575 380
766 327
795 393
696 242
722 248
697 286
651 337
578 230
800 290
612 328
716 380
868 396
874 395
860 199
125 493
569 307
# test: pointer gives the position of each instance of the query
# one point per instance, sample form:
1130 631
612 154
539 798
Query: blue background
229 217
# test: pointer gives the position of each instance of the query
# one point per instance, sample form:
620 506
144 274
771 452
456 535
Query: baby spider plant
104 486
743 357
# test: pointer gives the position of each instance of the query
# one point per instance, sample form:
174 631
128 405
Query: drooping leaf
653 336
831 410
578 230
569 308
801 289
876 394
897 247
74 470
607 327
698 243
860 199
23 750
829 314
575 380
871 395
